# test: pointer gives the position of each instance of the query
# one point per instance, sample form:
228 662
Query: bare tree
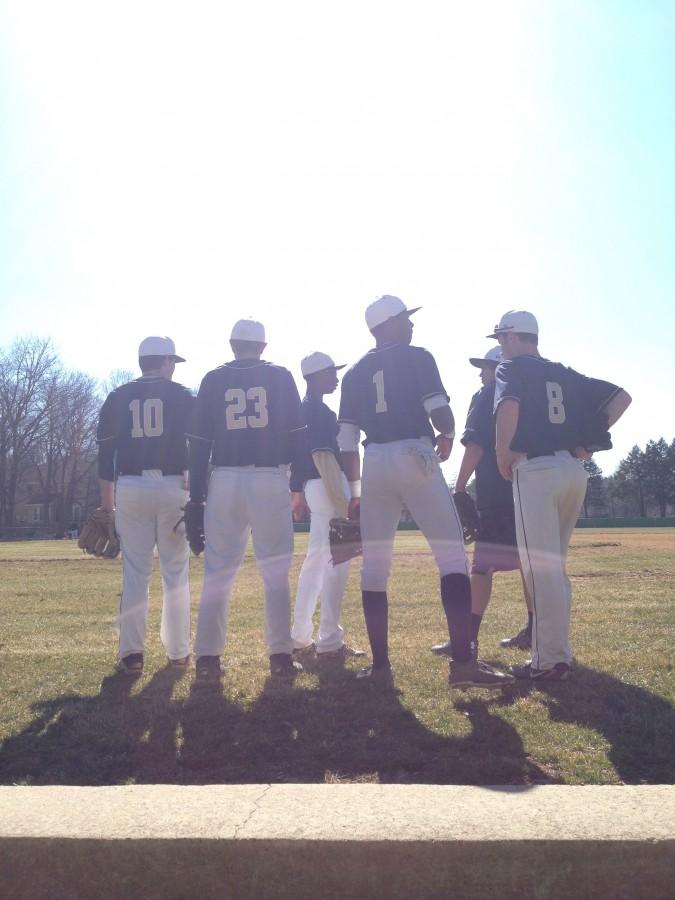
115 379
66 452
26 371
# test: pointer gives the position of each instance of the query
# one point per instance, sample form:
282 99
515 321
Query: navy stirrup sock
376 613
456 597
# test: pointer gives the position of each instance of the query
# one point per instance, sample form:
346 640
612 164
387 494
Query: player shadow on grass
639 726
114 737
340 729
343 730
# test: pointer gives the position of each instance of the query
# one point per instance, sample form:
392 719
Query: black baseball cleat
476 674
558 672
376 675
131 665
520 641
282 665
208 670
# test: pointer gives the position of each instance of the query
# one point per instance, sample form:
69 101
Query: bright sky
169 168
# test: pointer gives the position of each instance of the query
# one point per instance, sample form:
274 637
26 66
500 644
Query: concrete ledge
347 841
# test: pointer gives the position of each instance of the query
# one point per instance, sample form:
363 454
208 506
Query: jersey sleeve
480 428
320 427
597 393
349 407
428 377
293 419
508 383
187 407
201 423
108 419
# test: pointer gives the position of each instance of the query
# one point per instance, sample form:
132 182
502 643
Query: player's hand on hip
354 510
299 506
443 446
506 460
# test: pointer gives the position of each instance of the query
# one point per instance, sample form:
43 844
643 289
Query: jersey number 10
151 423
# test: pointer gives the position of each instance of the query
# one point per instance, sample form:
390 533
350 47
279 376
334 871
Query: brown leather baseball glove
345 540
98 535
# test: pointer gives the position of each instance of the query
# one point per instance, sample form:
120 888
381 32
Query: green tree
594 490
630 479
659 474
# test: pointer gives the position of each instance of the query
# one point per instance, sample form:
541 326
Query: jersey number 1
380 402
556 408
152 422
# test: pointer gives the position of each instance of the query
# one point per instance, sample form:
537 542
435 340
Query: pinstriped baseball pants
406 473
548 493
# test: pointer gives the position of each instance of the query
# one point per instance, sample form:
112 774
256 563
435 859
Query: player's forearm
331 475
107 492
473 454
351 462
507 422
617 406
199 455
443 420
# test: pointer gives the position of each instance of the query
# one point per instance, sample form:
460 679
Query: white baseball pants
147 509
406 473
318 576
245 501
548 492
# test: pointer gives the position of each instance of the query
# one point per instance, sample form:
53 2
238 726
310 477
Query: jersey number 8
556 408
236 414
152 423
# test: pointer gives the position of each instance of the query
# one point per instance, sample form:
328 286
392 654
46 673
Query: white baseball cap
317 362
518 321
384 308
492 357
248 330
159 346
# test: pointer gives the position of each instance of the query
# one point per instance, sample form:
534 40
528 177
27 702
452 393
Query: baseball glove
98 535
468 516
193 516
345 540
595 431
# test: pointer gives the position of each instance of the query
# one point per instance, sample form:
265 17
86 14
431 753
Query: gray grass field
66 719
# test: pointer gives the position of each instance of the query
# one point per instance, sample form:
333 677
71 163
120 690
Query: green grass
65 718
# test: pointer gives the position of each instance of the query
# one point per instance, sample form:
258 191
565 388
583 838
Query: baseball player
142 464
496 547
391 394
247 422
543 434
326 493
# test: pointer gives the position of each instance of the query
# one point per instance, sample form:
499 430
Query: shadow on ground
340 730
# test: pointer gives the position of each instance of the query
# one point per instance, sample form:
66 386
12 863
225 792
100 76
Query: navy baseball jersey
322 430
142 425
247 409
554 402
491 489
384 393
